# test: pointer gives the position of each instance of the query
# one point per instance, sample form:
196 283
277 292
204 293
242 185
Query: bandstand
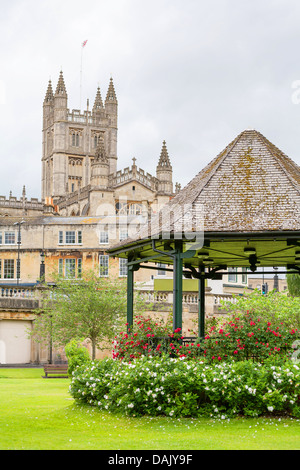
241 211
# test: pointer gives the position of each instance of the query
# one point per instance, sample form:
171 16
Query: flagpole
80 78
82 46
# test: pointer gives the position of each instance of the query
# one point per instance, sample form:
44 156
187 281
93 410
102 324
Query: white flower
270 408
131 405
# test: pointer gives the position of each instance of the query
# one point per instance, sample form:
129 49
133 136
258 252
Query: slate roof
251 186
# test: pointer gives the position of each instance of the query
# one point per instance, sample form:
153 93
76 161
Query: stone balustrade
17 292
213 302
161 300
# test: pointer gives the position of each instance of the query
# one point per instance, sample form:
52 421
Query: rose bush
235 338
146 337
249 337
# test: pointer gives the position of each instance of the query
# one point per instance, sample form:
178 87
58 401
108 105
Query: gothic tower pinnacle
164 160
98 104
49 93
60 100
164 172
61 87
111 94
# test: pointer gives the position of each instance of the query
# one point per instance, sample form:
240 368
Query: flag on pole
84 43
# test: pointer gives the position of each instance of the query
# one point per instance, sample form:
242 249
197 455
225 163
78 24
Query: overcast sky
194 73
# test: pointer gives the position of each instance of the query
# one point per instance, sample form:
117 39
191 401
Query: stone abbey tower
70 139
79 160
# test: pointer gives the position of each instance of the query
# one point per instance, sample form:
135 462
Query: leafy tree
91 308
293 282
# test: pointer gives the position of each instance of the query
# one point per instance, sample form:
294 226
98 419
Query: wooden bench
60 371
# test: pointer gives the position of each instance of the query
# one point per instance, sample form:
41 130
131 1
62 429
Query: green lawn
37 413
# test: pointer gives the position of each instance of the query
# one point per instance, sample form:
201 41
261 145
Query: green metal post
130 279
177 290
201 306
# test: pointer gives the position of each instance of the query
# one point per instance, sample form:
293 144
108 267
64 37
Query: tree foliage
91 308
274 306
293 282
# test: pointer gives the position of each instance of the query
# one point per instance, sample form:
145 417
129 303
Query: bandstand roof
245 203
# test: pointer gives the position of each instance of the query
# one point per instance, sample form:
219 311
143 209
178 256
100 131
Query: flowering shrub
249 336
238 338
147 337
180 387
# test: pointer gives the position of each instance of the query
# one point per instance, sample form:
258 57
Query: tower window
75 139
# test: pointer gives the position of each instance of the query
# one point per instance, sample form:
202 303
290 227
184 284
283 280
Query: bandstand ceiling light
249 251
203 254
